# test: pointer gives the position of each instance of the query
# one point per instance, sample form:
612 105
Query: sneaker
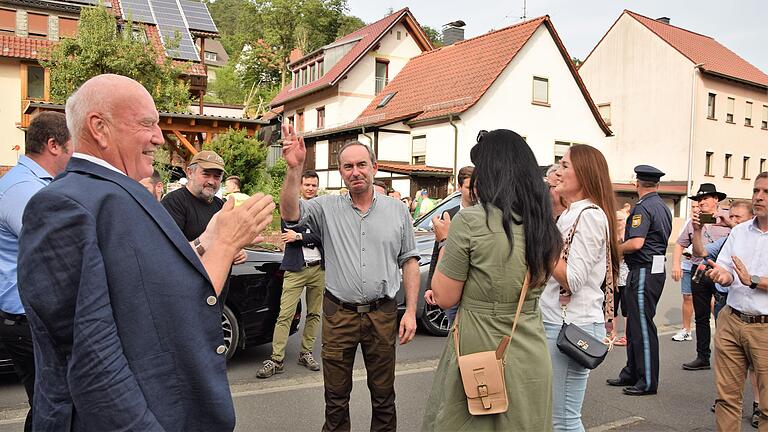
698 364
306 360
269 368
755 415
682 335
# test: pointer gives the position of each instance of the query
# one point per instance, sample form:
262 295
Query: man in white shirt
741 337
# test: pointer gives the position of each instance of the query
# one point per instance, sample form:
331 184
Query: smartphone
707 218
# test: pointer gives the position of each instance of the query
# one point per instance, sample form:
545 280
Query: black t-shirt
190 213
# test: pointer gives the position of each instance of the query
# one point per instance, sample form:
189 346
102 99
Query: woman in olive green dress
488 249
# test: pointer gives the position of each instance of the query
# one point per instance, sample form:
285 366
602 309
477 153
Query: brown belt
312 263
750 319
357 307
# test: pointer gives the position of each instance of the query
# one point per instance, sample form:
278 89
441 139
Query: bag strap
609 290
565 294
504 340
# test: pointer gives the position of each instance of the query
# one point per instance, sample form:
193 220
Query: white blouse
585 270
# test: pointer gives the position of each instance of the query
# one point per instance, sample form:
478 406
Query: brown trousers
376 333
737 345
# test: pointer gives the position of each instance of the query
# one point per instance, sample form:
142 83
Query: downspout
370 140
455 150
689 182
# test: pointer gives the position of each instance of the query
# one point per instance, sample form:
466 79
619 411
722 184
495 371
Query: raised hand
441 226
294 150
719 274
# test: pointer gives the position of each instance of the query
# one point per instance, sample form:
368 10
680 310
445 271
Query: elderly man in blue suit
123 309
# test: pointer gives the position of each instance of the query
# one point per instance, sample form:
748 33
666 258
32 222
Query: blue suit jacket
116 298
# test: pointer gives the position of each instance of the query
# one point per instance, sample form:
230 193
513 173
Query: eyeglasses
481 134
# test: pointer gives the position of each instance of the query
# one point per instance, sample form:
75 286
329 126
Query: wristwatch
298 236
755 280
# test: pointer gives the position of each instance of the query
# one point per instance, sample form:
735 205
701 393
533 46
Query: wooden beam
192 122
208 137
190 148
215 123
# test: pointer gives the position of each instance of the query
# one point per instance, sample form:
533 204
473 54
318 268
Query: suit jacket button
221 349
211 300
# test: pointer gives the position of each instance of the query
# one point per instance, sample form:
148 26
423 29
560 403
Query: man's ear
98 128
54 147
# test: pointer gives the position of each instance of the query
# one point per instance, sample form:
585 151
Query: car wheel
434 320
231 331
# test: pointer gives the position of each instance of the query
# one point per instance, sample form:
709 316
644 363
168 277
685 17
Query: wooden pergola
184 132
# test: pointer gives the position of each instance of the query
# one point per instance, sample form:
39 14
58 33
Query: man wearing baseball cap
193 206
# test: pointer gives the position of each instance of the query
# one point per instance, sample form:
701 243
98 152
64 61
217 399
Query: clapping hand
294 150
741 271
719 274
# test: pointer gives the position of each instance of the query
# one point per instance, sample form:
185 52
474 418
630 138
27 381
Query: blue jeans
569 380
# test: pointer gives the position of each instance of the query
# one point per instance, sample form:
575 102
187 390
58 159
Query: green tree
433 35
245 157
100 48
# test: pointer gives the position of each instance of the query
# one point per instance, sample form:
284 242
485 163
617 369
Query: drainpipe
370 140
455 150
689 183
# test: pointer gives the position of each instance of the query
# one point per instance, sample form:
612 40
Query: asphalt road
293 401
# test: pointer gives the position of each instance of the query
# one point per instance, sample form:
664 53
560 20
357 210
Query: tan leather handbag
482 373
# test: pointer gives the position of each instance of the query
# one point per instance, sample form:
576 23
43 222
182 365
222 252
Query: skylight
385 100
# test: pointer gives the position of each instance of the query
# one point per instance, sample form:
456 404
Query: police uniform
652 220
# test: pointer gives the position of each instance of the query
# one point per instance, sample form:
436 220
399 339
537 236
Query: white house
426 119
332 85
682 102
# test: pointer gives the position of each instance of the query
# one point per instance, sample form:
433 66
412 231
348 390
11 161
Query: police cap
648 173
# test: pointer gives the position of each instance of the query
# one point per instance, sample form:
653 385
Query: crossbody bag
573 341
482 373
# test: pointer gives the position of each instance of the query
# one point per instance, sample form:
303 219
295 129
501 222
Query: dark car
430 318
253 301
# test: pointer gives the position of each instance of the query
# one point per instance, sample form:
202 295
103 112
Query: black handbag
581 346
572 341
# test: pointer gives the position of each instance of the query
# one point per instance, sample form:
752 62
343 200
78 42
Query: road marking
13 415
312 382
616 424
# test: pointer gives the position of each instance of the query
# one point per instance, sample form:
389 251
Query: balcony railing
381 82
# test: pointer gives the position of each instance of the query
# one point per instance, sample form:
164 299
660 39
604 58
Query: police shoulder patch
637 220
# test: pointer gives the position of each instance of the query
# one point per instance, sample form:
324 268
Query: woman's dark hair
507 176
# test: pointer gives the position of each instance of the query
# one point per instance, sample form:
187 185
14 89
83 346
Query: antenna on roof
525 10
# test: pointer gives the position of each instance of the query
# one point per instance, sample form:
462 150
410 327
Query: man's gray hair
76 109
552 168
371 155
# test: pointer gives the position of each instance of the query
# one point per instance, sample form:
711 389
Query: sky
740 25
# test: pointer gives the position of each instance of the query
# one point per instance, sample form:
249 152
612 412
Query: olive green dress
479 255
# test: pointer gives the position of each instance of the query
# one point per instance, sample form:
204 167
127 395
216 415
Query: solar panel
171 23
198 16
137 10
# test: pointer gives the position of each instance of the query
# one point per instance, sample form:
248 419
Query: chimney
295 55
453 32
664 20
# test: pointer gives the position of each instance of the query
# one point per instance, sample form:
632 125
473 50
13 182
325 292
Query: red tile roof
451 79
405 168
717 59
22 47
369 36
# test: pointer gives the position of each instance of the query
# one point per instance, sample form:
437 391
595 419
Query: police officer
645 245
